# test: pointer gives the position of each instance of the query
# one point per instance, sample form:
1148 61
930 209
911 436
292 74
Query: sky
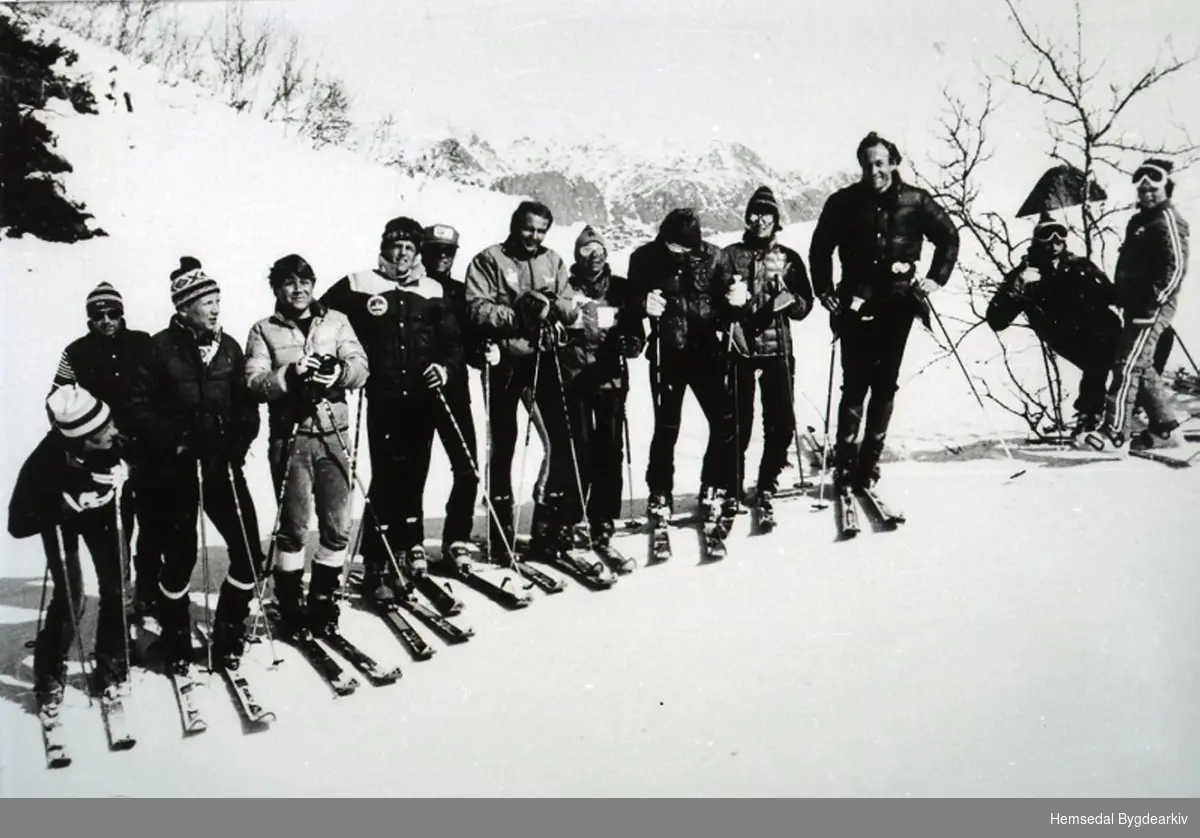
798 82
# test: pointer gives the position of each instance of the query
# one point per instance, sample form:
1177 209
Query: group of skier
155 429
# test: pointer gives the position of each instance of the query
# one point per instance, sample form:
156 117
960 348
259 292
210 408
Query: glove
307 364
552 336
565 311
491 354
925 286
739 293
533 308
434 376
631 346
782 300
327 379
656 304
831 304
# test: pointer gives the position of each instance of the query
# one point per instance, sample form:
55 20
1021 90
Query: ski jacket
878 238
1070 307
103 366
594 358
768 269
37 504
403 326
274 346
691 325
1152 263
181 401
454 294
500 274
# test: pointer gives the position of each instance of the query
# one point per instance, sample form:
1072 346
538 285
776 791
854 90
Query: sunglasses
108 314
591 249
1050 232
1156 176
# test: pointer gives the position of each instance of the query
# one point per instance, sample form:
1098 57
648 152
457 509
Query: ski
766 517
341 682
660 539
415 643
886 514
252 711
50 716
442 597
846 512
1165 459
184 684
408 600
714 540
360 660
507 591
434 620
617 561
540 578
112 708
584 565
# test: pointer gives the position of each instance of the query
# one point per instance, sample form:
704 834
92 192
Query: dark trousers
872 351
460 506
97 527
147 552
776 376
1095 362
597 431
707 376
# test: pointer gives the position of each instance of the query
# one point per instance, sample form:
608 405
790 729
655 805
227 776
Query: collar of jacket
593 286
199 336
119 333
888 195
1157 209
317 309
758 244
513 251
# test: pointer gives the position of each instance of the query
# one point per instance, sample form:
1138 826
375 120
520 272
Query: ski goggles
1155 175
106 314
1050 232
591 249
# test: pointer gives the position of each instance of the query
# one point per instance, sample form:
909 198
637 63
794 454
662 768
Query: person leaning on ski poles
517 295
101 362
414 346
1149 275
877 226
769 288
672 282
596 380
67 489
190 408
301 361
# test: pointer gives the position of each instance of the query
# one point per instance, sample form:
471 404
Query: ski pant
97 528
779 419
319 471
872 351
1134 375
597 431
706 375
175 502
460 507
141 575
1095 362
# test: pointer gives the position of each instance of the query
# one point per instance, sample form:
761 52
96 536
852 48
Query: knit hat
441 234
588 236
763 200
682 227
401 229
76 412
189 283
103 297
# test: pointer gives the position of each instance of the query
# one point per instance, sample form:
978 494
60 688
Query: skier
518 296
877 226
190 408
594 367
102 363
301 360
438 248
673 283
68 489
1149 275
1071 306
774 290
414 346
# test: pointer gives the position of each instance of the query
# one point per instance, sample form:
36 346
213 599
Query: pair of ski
391 613
116 728
847 513
316 649
184 683
714 532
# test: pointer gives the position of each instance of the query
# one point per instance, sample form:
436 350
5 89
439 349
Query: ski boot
321 610
504 534
765 503
416 561
1104 441
1085 422
1149 439
109 678
229 626
49 690
602 535
659 506
175 638
289 599
712 506
459 557
379 584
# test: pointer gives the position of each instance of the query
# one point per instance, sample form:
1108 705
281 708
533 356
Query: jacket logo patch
377 305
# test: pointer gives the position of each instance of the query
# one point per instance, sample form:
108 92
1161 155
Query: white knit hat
77 413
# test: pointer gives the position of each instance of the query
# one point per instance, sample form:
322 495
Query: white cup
606 316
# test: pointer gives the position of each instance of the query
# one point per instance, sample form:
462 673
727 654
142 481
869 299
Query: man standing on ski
414 346
101 362
1149 275
301 361
772 290
191 410
518 296
66 490
594 366
673 283
877 226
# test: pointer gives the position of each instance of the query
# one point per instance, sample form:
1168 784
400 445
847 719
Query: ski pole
788 371
32 644
123 561
628 445
562 392
487 468
204 559
530 407
289 449
60 536
821 504
974 391
358 532
237 505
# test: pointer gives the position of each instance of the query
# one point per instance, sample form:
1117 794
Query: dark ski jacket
593 358
454 294
104 367
180 402
878 238
769 269
1152 263
403 326
37 503
691 327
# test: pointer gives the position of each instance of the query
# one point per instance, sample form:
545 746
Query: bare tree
240 49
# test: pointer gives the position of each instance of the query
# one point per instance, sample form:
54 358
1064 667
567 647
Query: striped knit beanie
104 297
763 200
77 413
189 283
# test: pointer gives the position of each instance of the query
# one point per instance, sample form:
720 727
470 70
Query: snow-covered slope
1033 637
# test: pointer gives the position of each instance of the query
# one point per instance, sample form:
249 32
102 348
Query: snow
1027 637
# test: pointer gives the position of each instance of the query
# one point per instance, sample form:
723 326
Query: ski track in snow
1025 638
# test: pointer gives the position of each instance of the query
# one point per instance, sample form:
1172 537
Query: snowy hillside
1032 637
